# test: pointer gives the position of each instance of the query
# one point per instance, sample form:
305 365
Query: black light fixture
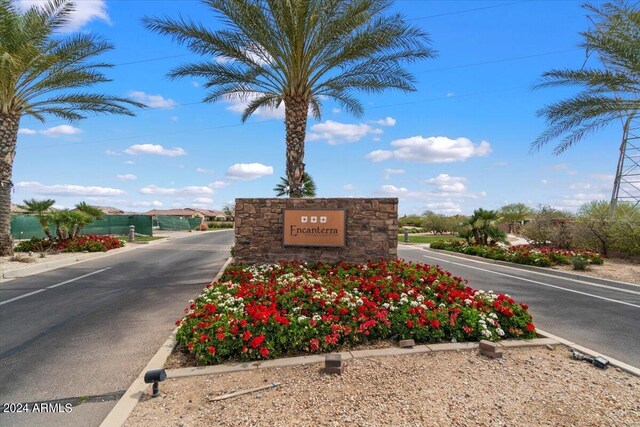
155 377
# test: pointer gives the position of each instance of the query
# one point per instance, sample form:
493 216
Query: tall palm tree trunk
295 108
9 124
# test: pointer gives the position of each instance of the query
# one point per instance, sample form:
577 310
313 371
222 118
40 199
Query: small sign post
314 227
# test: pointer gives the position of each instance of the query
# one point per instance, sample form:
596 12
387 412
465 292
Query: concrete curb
347 355
532 268
81 257
613 362
119 414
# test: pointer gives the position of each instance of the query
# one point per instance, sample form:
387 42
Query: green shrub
33 245
220 224
579 262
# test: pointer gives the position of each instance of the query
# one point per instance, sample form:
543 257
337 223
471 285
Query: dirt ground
528 387
612 269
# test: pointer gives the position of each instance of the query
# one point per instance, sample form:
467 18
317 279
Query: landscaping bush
268 311
579 262
33 245
520 254
89 243
220 224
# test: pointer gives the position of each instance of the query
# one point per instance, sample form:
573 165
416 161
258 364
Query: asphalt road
598 314
92 336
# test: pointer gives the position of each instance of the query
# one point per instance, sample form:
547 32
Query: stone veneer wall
371 230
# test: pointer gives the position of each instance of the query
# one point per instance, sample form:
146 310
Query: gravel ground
612 269
528 387
6 264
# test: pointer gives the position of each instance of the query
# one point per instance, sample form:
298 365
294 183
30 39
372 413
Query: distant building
109 210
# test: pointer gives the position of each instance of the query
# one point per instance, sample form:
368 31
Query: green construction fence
178 223
27 226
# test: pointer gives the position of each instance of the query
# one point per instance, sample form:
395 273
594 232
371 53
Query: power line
182 132
475 9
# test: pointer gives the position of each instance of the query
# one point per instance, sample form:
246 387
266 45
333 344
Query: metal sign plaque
314 227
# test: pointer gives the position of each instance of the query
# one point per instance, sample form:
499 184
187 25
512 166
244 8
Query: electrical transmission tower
626 187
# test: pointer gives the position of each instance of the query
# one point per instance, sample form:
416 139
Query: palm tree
37 71
608 94
481 227
308 188
298 52
40 209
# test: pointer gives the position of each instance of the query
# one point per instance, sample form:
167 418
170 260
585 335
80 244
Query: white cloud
85 11
392 190
155 204
379 155
438 149
248 171
68 189
202 200
544 181
111 153
126 177
447 207
574 201
450 94
238 105
603 177
52 132
336 111
349 187
338 133
153 101
218 185
387 121
501 164
155 149
580 186
444 182
129 162
203 170
190 191
559 166
389 172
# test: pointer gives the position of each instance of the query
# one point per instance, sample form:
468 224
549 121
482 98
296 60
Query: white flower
403 300
414 303
385 305
420 298
302 319
442 305
500 332
467 301
317 317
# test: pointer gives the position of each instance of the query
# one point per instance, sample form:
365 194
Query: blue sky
460 142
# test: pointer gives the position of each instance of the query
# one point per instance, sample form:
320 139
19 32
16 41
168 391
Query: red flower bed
521 254
88 243
287 308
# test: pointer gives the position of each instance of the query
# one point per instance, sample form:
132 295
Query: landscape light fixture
598 362
155 377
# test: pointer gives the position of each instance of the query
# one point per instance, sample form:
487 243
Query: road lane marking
53 286
551 275
536 282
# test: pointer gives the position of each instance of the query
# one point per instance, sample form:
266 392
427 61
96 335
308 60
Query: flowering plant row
265 311
89 243
520 254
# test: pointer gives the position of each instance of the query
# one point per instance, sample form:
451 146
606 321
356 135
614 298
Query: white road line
597 285
535 281
53 286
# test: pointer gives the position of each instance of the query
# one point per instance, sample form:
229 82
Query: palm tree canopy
274 50
308 187
608 93
37 207
36 66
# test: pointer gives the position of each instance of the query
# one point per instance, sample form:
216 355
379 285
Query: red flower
314 344
530 327
243 323
255 343
435 324
264 352
246 335
220 336
410 323
212 349
190 346
204 338
234 329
